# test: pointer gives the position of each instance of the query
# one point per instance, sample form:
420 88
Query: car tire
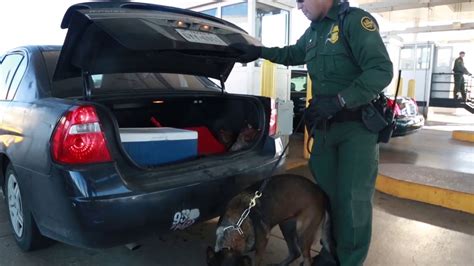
24 228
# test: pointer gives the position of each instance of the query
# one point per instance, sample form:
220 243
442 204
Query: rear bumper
408 125
102 212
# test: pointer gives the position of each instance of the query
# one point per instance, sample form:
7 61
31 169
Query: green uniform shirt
330 66
459 66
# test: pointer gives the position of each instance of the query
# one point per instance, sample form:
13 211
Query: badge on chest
333 34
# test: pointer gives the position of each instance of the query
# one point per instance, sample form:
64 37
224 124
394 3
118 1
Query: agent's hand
311 117
249 52
326 107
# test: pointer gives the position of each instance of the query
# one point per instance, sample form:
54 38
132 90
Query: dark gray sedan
119 132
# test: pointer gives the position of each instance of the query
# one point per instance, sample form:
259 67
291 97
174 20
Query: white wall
393 48
27 22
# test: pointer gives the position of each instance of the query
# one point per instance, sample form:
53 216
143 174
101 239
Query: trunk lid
107 38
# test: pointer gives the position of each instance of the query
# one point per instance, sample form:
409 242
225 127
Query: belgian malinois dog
293 202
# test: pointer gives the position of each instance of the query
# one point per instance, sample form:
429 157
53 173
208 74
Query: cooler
158 146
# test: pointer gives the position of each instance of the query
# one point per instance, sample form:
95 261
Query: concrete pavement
404 233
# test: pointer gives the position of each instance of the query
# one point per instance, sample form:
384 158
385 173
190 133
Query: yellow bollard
411 88
306 136
268 80
400 88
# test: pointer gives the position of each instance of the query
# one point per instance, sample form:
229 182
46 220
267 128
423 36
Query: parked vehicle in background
120 133
299 81
407 116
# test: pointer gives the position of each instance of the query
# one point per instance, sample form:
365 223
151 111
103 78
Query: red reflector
78 138
390 104
273 119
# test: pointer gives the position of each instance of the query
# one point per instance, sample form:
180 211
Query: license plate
201 37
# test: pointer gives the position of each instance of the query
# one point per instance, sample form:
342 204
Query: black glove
326 107
249 52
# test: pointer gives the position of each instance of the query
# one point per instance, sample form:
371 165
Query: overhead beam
288 3
284 3
452 27
389 5
204 3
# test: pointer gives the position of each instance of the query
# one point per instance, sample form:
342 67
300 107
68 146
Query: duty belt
344 115
347 115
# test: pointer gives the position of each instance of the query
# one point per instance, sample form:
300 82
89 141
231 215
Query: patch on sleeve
368 24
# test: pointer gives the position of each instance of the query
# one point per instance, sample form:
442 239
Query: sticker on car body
201 37
184 219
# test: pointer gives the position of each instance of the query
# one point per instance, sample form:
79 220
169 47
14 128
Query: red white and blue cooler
159 146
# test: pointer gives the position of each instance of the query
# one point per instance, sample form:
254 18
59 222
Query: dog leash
259 192
245 214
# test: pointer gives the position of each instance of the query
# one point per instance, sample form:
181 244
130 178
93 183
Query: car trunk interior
221 124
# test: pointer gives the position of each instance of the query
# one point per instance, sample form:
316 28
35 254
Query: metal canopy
402 17
385 6
398 16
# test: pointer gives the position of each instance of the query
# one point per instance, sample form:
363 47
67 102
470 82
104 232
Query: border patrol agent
459 72
344 159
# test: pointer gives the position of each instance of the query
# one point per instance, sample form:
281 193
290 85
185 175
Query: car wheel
23 225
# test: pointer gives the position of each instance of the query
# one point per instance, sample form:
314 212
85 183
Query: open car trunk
171 129
128 50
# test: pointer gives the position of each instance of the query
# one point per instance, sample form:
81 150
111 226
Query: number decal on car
184 219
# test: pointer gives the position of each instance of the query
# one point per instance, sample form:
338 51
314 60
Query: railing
442 86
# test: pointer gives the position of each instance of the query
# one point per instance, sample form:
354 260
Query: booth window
415 57
236 14
407 58
423 57
269 18
444 57
211 12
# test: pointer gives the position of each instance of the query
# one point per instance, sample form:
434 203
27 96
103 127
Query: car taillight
273 119
78 138
397 110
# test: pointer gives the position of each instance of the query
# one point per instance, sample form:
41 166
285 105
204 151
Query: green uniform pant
459 86
344 162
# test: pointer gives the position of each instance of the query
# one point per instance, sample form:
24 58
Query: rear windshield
125 82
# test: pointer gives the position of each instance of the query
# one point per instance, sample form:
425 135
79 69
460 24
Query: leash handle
396 91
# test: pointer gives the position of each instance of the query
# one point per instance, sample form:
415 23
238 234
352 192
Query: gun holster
386 133
373 119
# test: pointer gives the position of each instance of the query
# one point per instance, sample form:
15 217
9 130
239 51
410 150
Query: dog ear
246 261
210 254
